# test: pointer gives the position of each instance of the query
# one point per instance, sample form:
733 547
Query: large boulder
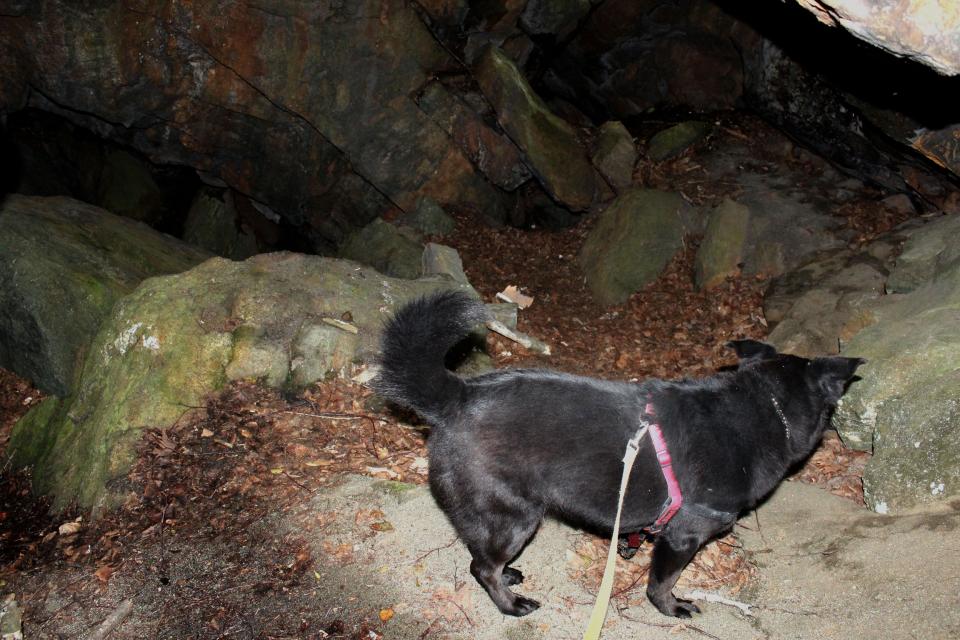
905 408
286 319
63 265
631 243
550 144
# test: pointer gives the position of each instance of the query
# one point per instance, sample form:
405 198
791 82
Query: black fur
511 446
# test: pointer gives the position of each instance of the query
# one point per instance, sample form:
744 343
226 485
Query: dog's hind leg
493 542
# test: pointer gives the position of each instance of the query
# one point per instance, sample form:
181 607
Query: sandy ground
826 568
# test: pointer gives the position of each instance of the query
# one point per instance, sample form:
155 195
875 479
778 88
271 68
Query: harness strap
674 495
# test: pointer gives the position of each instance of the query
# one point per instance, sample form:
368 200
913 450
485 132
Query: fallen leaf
69 528
386 614
103 573
383 471
512 294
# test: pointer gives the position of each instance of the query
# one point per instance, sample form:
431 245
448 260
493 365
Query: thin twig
437 549
112 621
457 605
671 627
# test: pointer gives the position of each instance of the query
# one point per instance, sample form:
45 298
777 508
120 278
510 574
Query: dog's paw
679 609
511 577
522 606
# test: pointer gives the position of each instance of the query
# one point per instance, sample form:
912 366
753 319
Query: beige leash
606 584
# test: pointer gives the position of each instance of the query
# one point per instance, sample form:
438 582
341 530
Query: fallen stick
522 339
112 621
715 597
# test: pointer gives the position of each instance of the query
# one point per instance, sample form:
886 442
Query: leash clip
633 444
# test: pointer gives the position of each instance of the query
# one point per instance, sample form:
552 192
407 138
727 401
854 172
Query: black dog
511 446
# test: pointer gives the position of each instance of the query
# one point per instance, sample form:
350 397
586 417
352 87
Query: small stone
899 203
430 218
677 139
615 155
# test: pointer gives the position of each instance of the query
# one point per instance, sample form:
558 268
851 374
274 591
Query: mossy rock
615 155
63 265
386 248
632 242
127 188
929 251
722 249
905 408
675 140
212 225
430 218
175 339
549 143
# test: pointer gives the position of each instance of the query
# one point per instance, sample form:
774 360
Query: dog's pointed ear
750 350
833 373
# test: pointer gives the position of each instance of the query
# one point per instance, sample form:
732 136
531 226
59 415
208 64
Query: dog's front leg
671 553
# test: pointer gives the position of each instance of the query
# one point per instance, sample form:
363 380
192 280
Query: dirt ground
225 533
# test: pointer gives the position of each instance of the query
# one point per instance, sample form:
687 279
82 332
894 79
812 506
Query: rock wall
306 107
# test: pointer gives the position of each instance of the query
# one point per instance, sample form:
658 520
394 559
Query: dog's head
808 389
828 375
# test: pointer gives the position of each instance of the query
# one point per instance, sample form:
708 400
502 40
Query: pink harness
674 495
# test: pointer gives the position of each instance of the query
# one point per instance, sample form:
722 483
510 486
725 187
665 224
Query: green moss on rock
631 243
550 144
63 265
178 338
386 248
721 251
676 139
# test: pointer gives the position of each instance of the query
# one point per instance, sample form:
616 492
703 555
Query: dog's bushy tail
414 344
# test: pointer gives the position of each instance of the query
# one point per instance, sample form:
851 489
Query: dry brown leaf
103 573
